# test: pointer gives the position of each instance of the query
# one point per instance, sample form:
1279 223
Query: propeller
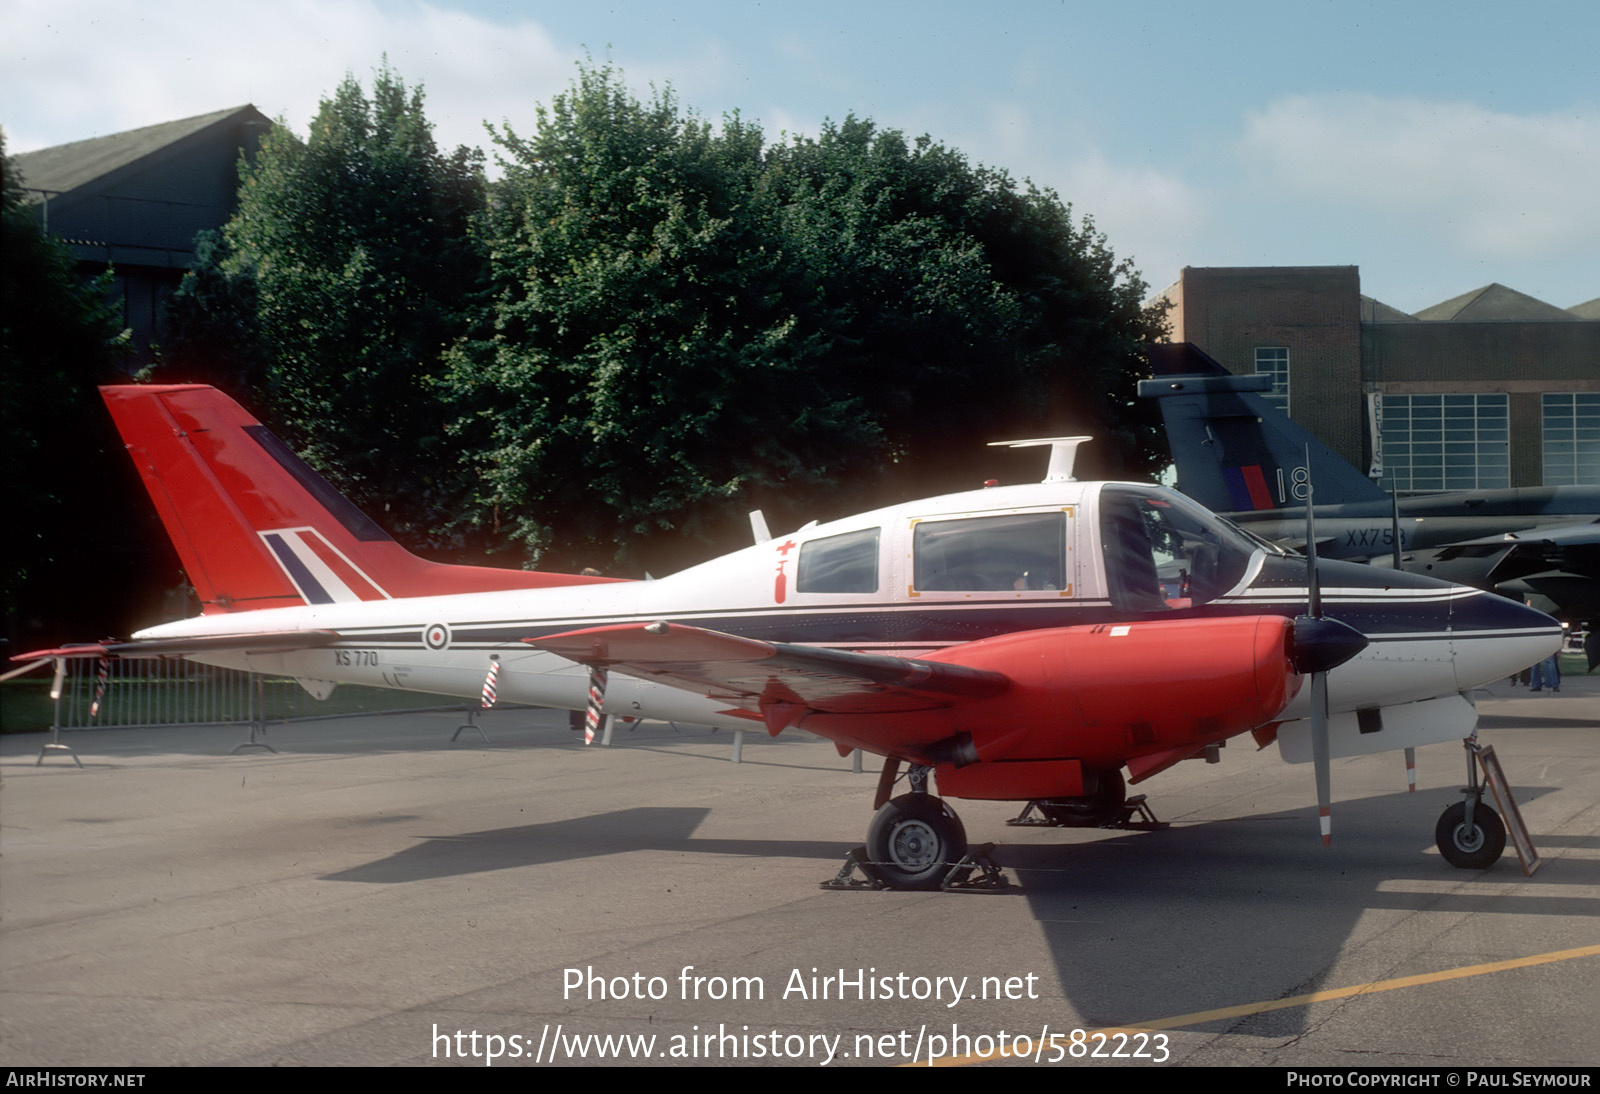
1320 646
1394 527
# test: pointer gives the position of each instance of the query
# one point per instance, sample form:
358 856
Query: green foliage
342 277
972 309
687 324
58 339
644 370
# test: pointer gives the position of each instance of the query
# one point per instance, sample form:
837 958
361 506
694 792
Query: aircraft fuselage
912 580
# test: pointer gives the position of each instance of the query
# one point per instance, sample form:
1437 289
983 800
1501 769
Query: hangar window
1273 361
839 564
1017 551
1446 442
1571 438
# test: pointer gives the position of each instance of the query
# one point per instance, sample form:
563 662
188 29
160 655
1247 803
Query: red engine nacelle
1094 698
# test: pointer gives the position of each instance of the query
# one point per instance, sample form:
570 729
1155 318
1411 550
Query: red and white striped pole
102 674
490 681
597 696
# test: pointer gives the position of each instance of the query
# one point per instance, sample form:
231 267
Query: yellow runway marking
1200 1018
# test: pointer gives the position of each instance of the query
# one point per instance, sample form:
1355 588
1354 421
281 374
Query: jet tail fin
256 527
1235 451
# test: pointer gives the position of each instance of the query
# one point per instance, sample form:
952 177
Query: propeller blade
1313 583
1319 755
1394 526
1325 647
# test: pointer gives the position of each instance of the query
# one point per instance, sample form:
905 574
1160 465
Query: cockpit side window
839 564
1130 565
1016 551
1162 551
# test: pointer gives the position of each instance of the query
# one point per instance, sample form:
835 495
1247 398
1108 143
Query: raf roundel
436 636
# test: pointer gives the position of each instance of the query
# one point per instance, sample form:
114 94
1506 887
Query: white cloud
1009 135
1484 183
1151 216
81 68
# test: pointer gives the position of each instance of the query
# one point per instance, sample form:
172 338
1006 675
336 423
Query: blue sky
1437 146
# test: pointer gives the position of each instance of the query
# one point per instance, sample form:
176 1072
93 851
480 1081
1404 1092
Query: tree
971 308
642 370
58 339
346 272
686 324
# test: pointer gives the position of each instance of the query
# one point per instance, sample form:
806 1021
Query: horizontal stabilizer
275 642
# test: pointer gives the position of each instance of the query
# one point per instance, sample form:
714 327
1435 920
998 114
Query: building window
1273 361
1446 442
1572 439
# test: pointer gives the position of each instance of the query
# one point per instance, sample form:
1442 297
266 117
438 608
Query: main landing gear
917 842
1107 805
914 840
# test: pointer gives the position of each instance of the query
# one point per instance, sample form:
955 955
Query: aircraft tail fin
256 527
1235 451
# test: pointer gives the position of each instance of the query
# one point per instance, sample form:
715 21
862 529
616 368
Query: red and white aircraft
1020 643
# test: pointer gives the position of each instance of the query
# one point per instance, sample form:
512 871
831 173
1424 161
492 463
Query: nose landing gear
1470 834
1471 844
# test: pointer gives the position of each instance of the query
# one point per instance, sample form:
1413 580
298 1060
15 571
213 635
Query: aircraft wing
1564 535
259 642
767 677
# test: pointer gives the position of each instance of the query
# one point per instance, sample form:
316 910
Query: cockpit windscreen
1162 551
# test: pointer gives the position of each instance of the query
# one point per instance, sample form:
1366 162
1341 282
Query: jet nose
1493 637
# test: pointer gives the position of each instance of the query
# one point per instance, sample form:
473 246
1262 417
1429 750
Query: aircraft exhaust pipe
957 751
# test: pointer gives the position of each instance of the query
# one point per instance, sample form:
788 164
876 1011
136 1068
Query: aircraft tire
914 840
1100 808
1476 848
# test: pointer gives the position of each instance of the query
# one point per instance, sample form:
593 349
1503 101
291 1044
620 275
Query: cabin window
1016 552
839 564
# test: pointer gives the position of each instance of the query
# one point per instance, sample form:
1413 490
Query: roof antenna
1063 451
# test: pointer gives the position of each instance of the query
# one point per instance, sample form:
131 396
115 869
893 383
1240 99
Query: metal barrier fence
139 693
175 692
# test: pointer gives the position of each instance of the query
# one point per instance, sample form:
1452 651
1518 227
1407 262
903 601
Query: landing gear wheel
914 840
1472 848
1102 807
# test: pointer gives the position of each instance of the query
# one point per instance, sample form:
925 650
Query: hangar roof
1494 303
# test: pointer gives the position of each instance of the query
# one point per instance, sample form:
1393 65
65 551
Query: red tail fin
256 527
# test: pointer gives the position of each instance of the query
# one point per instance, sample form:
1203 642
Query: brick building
132 203
1492 388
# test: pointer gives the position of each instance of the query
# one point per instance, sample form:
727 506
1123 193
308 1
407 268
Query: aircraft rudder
167 429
